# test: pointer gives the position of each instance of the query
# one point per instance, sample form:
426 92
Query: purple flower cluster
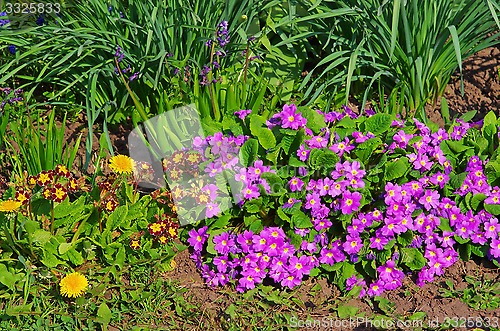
3 21
250 258
222 34
415 209
476 181
218 44
10 96
242 114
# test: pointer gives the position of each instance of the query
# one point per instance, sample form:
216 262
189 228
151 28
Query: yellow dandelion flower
9 205
73 285
122 164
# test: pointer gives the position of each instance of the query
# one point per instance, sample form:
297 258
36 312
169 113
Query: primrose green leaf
476 200
364 150
346 122
248 152
346 311
282 215
490 119
396 169
315 121
378 123
492 209
301 220
117 217
275 182
266 138
120 257
67 208
323 159
456 146
253 206
413 258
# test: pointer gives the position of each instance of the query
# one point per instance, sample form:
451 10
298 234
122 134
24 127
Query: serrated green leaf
301 220
64 248
396 169
67 208
315 121
378 123
266 138
248 152
74 257
413 258
492 209
41 237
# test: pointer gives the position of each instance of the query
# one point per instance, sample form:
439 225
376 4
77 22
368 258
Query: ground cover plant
264 201
343 203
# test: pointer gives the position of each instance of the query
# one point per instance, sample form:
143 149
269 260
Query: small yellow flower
122 164
9 205
73 285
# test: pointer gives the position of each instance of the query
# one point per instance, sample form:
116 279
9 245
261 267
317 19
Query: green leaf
346 122
378 123
405 238
456 146
75 257
253 206
41 237
50 260
468 115
266 138
6 277
323 159
64 248
492 209
412 258
364 150
396 169
248 152
67 208
104 314
476 200
117 217
315 121
346 311
465 251
457 180
275 182
301 220
490 119
120 257
445 112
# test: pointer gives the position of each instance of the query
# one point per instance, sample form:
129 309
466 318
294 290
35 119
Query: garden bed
295 212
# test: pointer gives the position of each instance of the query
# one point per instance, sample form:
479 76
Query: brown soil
321 305
481 73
